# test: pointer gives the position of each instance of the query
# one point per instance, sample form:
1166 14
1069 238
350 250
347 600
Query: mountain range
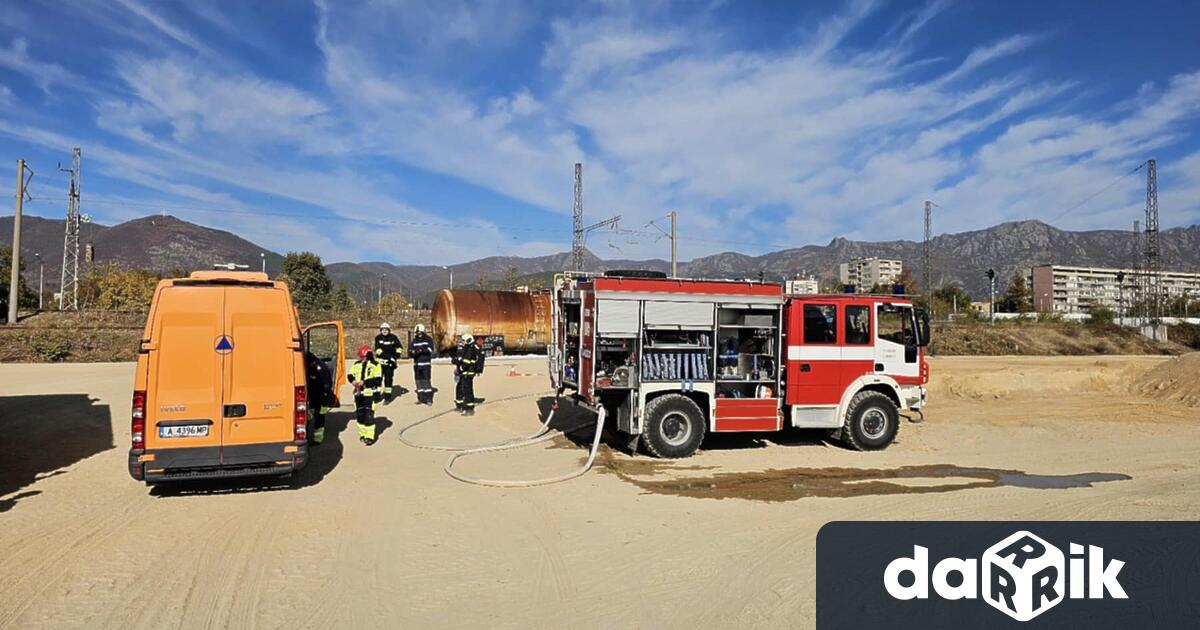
168 245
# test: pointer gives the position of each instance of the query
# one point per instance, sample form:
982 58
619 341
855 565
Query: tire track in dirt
48 565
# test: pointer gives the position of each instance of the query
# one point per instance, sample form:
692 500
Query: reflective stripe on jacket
369 373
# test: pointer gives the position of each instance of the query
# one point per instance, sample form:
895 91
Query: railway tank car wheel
872 421
674 427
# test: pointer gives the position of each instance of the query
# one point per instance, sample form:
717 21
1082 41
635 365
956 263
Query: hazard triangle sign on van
224 345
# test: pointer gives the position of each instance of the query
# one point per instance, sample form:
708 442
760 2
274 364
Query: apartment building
1067 289
868 272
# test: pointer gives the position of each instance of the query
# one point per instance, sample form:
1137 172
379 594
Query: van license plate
183 430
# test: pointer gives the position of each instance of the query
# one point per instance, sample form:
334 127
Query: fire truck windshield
896 324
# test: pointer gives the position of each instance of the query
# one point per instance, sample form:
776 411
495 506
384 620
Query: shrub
1101 317
51 345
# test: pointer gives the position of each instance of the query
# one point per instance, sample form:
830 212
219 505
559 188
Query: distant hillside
159 243
167 244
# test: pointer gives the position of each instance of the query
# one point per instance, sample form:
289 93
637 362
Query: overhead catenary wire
1099 192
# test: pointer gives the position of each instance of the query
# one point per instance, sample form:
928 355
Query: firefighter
387 351
319 380
421 351
469 363
366 375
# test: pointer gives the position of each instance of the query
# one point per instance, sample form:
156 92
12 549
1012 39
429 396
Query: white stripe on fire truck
830 353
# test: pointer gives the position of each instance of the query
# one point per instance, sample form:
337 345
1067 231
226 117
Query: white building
801 286
868 272
1066 289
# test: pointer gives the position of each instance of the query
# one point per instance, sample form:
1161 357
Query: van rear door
327 342
259 373
183 400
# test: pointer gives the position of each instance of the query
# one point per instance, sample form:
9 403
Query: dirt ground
381 537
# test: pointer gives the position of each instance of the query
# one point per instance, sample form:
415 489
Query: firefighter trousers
464 392
421 375
389 371
319 425
364 416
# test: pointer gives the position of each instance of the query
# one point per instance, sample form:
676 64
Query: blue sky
443 131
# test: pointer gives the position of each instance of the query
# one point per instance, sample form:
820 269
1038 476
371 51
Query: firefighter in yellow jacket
366 375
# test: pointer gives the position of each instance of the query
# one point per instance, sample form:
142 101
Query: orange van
220 386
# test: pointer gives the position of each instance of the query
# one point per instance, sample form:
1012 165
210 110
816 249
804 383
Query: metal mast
927 276
1153 263
577 242
68 296
1139 278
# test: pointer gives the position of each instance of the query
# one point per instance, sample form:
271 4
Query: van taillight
137 420
301 417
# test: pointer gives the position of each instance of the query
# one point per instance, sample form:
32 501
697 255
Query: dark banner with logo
933 575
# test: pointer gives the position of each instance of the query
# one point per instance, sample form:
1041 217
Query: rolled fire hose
518 442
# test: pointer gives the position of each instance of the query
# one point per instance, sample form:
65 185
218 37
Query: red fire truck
675 359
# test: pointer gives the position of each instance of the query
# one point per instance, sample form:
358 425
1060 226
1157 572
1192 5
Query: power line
1099 192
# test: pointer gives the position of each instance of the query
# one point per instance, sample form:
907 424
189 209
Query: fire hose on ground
541 435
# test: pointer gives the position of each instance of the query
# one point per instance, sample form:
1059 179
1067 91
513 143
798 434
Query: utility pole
991 274
14 292
1120 297
1153 264
69 286
451 270
577 239
928 255
41 280
674 265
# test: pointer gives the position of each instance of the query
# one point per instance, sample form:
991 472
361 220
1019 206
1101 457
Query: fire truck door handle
804 367
878 367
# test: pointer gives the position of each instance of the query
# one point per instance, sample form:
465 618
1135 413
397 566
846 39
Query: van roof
230 276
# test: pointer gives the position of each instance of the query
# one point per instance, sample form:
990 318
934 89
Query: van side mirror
922 327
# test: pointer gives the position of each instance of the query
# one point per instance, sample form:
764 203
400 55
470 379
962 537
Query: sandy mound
1177 380
1024 381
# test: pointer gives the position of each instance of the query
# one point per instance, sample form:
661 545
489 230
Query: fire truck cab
674 359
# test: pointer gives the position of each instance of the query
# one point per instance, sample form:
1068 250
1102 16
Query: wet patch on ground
790 484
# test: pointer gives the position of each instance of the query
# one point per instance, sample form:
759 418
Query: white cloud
788 144
44 74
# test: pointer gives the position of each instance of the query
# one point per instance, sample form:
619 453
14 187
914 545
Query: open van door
327 342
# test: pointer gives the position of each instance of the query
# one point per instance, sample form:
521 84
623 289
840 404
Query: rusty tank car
505 321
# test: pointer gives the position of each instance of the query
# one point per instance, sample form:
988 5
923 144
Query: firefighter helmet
364 351
468 339
419 328
385 325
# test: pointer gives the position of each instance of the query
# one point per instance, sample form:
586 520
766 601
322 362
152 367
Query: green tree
511 280
112 288
311 287
908 281
1016 298
392 303
341 300
952 296
26 297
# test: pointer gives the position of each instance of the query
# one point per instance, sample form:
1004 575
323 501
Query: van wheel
674 427
872 421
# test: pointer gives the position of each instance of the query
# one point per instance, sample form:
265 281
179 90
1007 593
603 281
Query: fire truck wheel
674 427
871 421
